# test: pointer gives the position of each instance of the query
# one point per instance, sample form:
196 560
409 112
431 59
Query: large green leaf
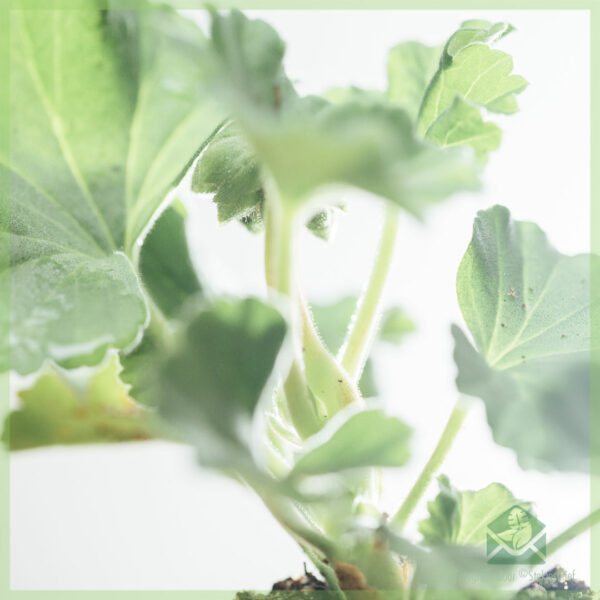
211 381
365 439
306 143
107 108
461 518
54 411
528 309
368 146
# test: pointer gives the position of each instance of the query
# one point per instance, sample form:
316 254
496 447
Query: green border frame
593 6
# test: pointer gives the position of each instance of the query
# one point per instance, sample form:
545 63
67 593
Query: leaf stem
455 421
279 241
355 350
279 249
566 536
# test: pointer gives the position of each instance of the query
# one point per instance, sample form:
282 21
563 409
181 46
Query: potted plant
273 391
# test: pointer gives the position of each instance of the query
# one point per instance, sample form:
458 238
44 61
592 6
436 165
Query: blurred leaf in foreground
54 411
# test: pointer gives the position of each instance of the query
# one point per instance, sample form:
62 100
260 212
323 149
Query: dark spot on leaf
564 335
340 380
501 324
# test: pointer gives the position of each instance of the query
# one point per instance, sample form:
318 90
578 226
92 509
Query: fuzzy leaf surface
527 308
107 108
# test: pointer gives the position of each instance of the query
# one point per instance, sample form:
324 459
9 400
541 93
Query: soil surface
556 583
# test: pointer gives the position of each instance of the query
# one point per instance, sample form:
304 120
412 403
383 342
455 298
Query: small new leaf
461 518
470 76
475 72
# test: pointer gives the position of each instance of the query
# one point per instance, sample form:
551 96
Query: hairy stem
291 520
566 536
453 425
362 330
279 249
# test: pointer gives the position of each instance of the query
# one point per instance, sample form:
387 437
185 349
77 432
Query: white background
143 516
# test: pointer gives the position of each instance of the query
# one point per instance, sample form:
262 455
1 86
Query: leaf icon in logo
520 529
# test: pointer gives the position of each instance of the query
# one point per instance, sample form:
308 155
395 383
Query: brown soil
305 582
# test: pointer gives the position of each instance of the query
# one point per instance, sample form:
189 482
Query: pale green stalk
363 328
433 464
279 263
572 532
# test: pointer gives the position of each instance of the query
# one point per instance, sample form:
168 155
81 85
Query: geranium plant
110 110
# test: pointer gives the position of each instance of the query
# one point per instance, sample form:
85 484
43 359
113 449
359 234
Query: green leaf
167 272
462 124
473 71
368 146
395 325
229 169
528 309
212 380
140 369
411 66
461 518
365 439
338 95
170 279
54 411
476 31
306 144
102 125
249 56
